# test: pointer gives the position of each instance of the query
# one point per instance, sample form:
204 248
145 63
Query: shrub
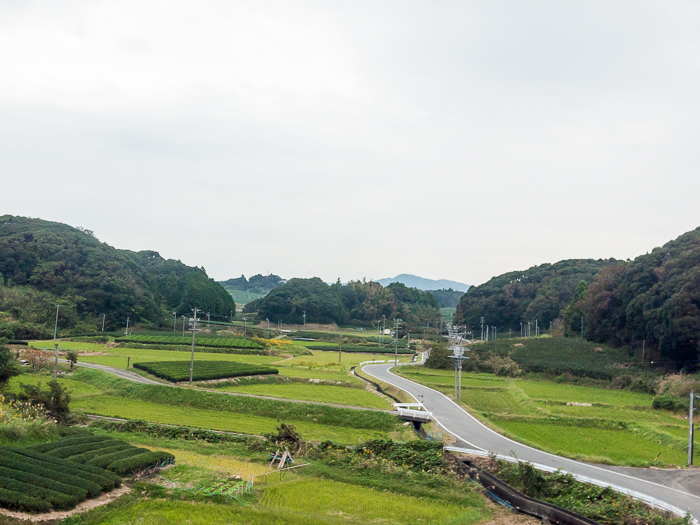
167 431
74 450
62 473
140 462
90 480
672 403
56 401
20 501
86 456
46 447
679 385
39 481
58 500
104 461
203 370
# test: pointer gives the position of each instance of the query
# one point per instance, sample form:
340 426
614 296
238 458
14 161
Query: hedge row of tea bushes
61 474
218 342
103 452
34 482
363 349
203 370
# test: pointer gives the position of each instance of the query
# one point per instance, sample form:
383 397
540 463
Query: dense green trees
447 298
655 298
46 263
363 302
257 283
540 292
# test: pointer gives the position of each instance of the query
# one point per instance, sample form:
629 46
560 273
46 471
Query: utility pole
340 346
690 427
126 332
231 316
55 332
521 329
103 321
529 329
183 326
397 325
208 317
304 319
268 327
482 328
487 333
456 342
643 344
194 331
174 321
245 328
537 328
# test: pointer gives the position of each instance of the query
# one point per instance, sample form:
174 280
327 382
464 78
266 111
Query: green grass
619 428
314 392
582 394
111 406
601 445
332 500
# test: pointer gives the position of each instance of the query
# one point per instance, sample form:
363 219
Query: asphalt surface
124 374
472 434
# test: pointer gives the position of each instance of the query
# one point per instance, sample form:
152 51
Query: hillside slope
655 298
357 302
46 263
540 292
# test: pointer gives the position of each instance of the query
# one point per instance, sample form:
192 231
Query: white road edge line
527 446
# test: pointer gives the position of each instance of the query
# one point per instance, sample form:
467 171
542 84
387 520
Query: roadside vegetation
590 423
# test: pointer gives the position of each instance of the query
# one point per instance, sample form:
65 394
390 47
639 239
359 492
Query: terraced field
594 424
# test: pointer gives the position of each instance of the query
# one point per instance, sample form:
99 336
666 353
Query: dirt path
86 505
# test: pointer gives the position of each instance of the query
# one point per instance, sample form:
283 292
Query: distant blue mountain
413 281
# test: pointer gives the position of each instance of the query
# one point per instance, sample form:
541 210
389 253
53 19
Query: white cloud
453 140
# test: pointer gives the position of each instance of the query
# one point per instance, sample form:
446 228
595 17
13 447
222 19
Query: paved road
472 434
124 374
131 376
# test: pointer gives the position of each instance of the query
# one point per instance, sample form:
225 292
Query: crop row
203 370
362 349
38 483
217 342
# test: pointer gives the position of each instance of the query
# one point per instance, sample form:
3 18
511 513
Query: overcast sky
454 140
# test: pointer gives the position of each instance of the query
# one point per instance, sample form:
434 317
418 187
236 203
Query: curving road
474 435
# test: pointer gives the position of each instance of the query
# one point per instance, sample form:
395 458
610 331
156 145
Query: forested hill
655 298
541 293
355 302
256 284
46 263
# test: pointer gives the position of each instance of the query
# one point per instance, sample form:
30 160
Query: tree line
357 302
46 263
653 300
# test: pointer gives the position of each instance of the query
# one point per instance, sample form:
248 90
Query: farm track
472 434
130 376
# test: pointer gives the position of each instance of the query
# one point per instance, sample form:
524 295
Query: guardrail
373 362
649 500
405 410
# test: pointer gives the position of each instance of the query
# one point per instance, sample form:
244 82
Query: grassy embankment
320 365
100 393
318 494
620 427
